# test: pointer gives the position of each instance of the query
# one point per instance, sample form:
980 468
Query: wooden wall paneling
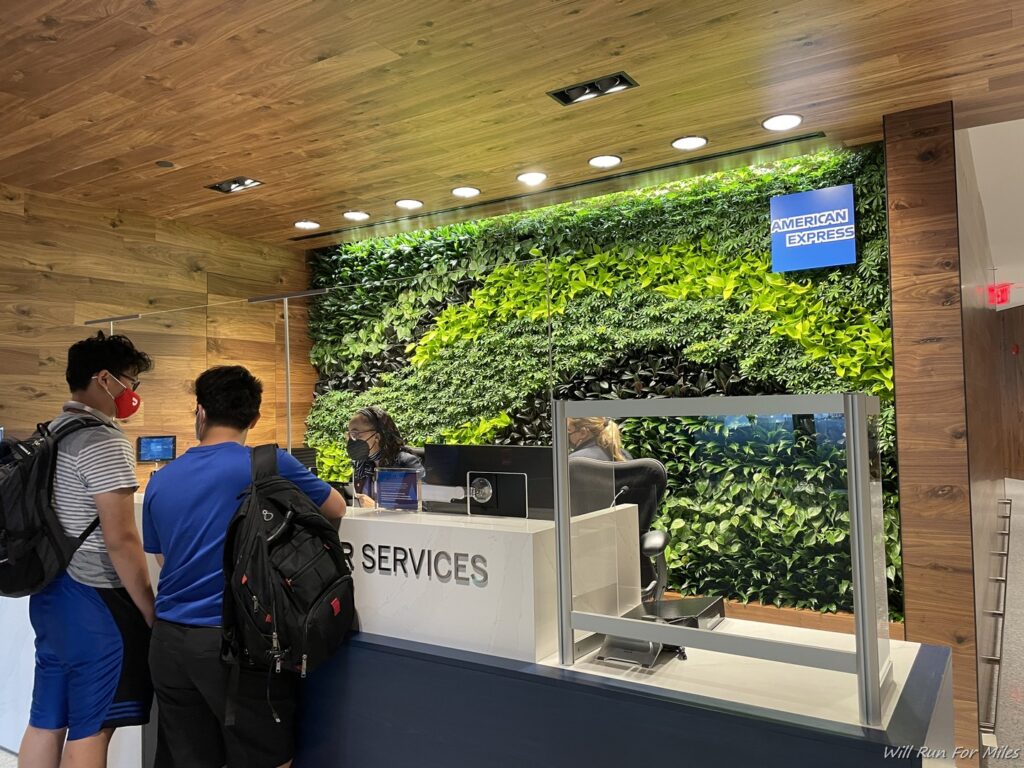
239 333
303 375
931 431
983 378
176 341
67 262
246 334
18 362
12 201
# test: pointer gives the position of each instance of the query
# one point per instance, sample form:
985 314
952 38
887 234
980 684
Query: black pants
191 686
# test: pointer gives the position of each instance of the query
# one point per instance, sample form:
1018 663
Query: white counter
17 649
786 693
485 584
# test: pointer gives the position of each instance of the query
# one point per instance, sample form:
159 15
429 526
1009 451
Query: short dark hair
98 353
230 395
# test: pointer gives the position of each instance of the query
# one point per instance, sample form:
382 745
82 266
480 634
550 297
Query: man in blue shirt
186 513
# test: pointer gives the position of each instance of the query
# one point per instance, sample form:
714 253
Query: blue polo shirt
189 504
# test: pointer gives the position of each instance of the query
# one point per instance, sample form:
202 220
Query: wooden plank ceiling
351 105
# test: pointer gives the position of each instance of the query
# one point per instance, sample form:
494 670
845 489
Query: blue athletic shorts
92 669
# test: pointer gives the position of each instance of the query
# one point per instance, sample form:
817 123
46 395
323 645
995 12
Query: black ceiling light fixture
614 83
236 184
591 89
578 93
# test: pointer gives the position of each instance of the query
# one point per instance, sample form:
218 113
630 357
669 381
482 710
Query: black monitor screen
448 465
156 448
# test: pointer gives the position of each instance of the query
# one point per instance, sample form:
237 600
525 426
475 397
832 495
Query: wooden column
931 432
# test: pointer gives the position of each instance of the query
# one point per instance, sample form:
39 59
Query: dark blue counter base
383 703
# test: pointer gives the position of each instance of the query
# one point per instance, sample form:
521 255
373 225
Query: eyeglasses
134 385
356 433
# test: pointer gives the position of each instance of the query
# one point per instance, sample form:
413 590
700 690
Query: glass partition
747 481
176 341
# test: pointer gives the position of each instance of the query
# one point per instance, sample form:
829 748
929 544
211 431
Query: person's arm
334 506
329 500
117 521
150 539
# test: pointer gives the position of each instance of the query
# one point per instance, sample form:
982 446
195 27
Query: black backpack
34 549
288 599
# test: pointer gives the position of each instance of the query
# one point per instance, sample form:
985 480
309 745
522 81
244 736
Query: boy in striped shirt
92 623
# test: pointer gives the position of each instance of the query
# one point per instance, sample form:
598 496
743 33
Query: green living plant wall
459 331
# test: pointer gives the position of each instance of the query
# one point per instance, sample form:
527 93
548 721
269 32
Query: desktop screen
156 448
514 472
398 489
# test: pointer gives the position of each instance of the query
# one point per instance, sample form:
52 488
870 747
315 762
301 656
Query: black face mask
358 450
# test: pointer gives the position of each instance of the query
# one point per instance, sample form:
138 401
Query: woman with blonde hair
596 437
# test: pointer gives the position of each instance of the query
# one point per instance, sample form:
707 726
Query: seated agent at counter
375 442
596 437
188 506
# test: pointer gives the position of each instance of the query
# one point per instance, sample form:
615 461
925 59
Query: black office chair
596 484
306 456
702 612
642 482
591 485
416 451
696 612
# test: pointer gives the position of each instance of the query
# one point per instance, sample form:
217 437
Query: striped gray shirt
90 462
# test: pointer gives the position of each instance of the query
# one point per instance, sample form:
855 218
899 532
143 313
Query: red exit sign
999 294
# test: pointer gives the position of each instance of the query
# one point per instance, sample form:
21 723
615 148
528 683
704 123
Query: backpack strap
63 430
87 532
264 462
69 427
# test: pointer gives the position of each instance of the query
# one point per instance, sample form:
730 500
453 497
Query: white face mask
200 424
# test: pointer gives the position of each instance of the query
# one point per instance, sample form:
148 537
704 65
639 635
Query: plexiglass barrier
804 470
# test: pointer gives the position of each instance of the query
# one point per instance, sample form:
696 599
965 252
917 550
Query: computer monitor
515 475
156 448
399 489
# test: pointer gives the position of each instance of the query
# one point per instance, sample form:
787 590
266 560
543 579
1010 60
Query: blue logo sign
813 229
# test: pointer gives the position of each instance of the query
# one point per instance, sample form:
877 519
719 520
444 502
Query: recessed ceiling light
236 184
782 122
532 178
409 205
689 142
581 93
465 191
591 89
307 224
612 84
605 161
356 215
